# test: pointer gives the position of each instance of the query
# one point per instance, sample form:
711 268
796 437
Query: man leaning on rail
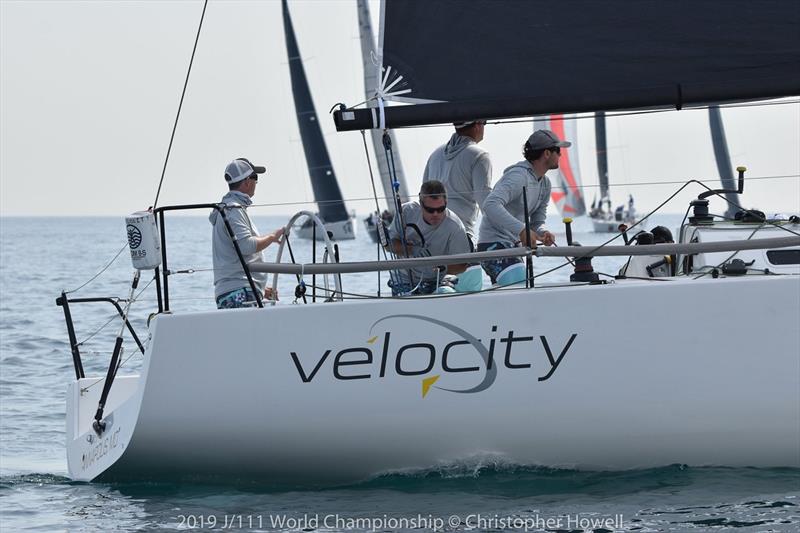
231 287
429 228
503 223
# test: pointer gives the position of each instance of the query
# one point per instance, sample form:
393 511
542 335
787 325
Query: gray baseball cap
541 139
466 123
241 169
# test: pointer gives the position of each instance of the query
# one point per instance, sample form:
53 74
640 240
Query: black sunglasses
254 177
433 210
556 149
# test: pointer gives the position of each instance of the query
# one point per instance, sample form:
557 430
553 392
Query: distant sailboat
327 194
566 190
607 220
371 81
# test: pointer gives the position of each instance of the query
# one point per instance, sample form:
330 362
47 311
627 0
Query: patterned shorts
402 288
494 267
235 299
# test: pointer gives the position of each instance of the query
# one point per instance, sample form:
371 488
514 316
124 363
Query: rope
618 235
101 270
180 105
732 255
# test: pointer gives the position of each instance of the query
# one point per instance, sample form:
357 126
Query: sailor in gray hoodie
503 223
465 170
231 287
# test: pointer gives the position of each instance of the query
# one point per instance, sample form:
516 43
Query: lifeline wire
590 186
617 236
101 270
180 105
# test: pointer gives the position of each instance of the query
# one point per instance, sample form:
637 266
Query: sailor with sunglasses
430 229
503 223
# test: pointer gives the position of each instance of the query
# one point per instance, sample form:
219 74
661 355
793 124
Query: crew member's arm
396 247
481 179
265 240
494 208
458 243
456 269
539 217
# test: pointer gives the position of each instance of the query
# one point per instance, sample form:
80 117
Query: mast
723 158
602 152
323 180
371 70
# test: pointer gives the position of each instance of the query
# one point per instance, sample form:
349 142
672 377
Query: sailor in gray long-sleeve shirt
231 287
465 170
503 224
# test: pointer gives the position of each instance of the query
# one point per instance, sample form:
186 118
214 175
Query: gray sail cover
505 58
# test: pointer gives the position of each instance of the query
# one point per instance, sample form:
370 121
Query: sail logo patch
134 236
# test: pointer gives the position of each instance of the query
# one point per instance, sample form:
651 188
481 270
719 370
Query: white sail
371 81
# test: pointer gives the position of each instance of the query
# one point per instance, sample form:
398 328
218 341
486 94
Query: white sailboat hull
334 393
609 225
340 231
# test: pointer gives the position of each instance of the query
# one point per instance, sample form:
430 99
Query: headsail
371 81
641 54
323 180
567 192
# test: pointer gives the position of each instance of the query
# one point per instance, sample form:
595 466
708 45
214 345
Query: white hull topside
340 231
553 376
605 225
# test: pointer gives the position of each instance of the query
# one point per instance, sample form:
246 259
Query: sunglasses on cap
433 210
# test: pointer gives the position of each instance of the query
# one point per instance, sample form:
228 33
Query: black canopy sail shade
466 59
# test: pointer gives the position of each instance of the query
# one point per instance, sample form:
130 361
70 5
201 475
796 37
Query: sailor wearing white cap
231 286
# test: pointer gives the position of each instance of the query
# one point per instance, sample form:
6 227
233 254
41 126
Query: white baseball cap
240 169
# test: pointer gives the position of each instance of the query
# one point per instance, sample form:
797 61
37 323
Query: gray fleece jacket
466 171
228 272
503 210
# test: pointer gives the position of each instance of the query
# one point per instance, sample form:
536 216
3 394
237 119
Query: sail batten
537 58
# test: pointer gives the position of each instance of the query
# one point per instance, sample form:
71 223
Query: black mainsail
619 55
323 179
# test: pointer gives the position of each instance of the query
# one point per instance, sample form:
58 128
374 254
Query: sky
89 92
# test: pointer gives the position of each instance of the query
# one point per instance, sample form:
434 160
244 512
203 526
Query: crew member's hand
270 294
548 238
278 233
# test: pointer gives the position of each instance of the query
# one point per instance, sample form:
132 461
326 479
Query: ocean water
40 257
